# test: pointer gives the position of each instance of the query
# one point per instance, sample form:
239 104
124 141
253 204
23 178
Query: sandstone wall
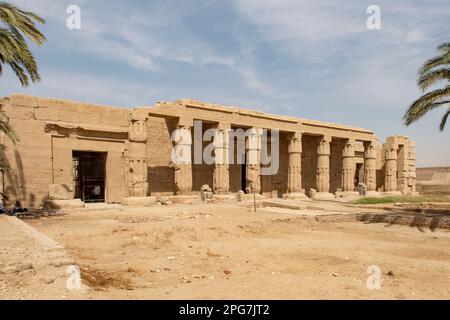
161 178
43 156
433 180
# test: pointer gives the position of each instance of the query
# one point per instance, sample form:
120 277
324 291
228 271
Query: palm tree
433 71
15 25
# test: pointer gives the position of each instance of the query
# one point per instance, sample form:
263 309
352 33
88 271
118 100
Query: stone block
224 197
64 204
139 201
323 196
295 196
183 199
347 195
60 192
391 193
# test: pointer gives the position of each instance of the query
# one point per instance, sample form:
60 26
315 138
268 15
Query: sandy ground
229 252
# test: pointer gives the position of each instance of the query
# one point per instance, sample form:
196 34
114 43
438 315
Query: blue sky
311 59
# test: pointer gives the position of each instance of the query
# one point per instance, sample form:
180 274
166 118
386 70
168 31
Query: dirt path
226 251
32 266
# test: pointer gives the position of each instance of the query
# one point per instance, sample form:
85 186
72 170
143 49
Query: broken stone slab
348 195
139 201
250 196
295 196
182 199
323 196
60 192
224 197
280 204
391 193
64 204
373 194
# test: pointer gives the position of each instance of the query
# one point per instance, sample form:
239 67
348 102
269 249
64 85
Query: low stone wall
435 180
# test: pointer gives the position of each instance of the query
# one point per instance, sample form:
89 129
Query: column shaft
253 169
348 167
182 160
370 166
136 155
295 163
390 169
323 165
221 175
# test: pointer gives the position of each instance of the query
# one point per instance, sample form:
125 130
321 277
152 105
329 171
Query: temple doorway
89 172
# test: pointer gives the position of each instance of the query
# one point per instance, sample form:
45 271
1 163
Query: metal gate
89 175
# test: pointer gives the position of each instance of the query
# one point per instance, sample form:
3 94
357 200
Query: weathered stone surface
64 204
139 201
60 192
182 199
295 196
139 146
323 196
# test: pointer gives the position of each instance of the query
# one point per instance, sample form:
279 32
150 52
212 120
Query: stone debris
240 196
206 194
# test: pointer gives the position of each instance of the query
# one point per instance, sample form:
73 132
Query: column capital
295 143
137 127
324 146
370 151
223 126
182 135
390 152
349 149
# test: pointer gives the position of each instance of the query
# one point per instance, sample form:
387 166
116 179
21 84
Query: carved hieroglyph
348 166
390 169
295 163
221 175
253 149
323 165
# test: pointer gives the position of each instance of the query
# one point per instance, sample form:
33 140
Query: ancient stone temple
69 150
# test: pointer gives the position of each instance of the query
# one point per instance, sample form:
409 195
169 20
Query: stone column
348 166
295 163
390 169
136 155
221 175
253 149
323 165
412 167
370 166
182 160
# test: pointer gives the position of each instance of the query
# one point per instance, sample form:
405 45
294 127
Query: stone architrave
348 166
323 165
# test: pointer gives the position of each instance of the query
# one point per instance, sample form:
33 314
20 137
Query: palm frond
17 19
444 120
435 62
444 47
426 103
433 77
14 50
